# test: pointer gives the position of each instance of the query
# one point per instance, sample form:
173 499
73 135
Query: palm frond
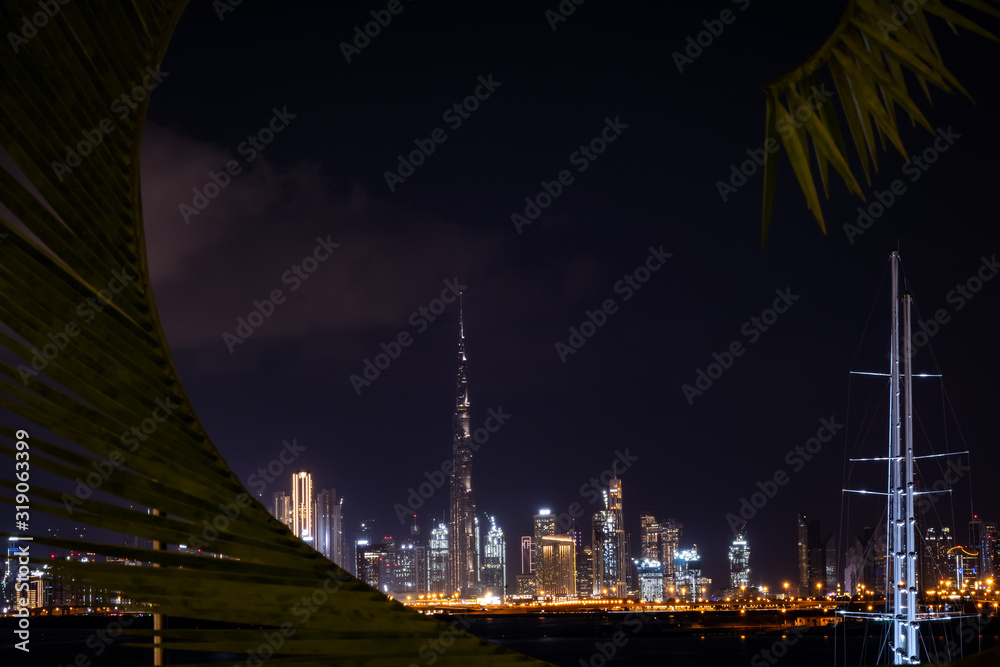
85 360
875 43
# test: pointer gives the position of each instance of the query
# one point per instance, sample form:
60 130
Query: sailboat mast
894 527
901 610
901 519
909 547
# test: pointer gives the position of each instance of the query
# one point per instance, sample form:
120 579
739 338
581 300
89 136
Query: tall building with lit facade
463 540
815 578
610 567
545 524
981 537
360 539
282 509
650 535
375 564
739 561
670 540
802 552
302 506
405 576
422 583
527 555
992 547
329 525
437 561
494 578
557 574
585 571
688 583
650 580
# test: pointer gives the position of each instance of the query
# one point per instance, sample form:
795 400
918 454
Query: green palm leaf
867 56
80 237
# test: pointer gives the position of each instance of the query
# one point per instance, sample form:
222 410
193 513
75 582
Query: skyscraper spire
463 545
461 421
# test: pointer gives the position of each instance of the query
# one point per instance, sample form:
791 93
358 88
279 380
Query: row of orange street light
945 589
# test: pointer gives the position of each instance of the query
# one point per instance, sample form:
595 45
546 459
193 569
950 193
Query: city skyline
236 266
820 566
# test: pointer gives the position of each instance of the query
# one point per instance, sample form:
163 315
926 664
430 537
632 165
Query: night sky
675 135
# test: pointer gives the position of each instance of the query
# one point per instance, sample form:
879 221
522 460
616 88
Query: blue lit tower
463 571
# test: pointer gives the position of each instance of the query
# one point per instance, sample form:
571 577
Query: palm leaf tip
868 55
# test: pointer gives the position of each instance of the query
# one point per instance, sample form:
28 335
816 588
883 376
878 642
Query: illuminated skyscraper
585 571
405 576
545 524
302 506
670 540
282 509
329 525
814 579
687 575
463 561
375 564
650 534
609 545
739 561
981 537
650 580
437 561
557 574
527 555
991 540
803 553
495 560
